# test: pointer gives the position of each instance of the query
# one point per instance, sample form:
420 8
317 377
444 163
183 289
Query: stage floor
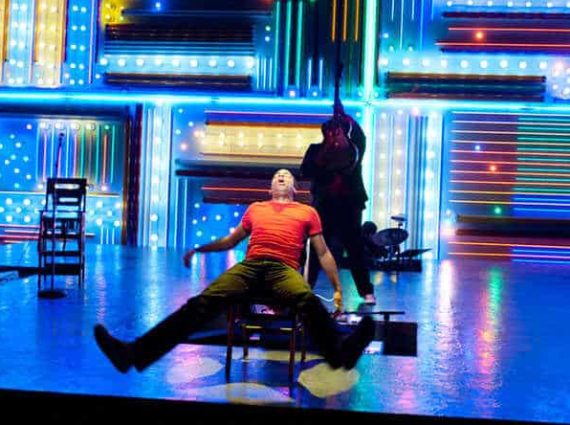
492 340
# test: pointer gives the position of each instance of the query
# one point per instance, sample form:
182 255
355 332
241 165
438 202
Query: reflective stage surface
493 340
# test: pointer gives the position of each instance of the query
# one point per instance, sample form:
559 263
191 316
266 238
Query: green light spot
498 210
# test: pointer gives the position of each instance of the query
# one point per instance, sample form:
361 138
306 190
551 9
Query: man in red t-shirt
278 230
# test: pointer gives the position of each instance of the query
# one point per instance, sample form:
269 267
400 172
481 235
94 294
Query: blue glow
546 212
562 251
541 261
527 199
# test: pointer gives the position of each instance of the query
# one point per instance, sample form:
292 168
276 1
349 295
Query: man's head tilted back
283 185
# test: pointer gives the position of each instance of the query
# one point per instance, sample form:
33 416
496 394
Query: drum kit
387 249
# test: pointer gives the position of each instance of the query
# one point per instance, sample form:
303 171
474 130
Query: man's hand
188 257
337 299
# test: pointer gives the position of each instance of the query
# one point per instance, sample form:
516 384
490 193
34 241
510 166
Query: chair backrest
66 194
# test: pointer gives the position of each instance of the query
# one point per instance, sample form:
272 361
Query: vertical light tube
368 162
288 37
20 41
299 44
369 50
3 31
276 48
155 176
81 30
432 184
48 42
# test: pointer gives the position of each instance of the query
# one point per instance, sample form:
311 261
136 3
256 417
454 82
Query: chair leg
303 344
292 348
231 319
245 338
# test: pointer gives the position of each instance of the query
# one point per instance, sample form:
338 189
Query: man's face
283 183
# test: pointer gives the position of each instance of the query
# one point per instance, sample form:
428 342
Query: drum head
391 236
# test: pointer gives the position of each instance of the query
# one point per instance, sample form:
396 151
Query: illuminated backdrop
177 112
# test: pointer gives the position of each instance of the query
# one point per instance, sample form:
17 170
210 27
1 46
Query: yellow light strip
257 141
345 21
357 20
4 19
253 155
333 25
48 41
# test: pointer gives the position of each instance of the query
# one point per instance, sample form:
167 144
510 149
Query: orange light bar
357 21
345 21
333 20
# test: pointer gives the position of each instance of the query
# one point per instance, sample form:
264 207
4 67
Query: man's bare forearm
329 266
222 244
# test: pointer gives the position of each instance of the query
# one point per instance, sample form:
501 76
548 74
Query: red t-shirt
279 230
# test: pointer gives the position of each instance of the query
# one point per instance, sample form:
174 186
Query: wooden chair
254 321
62 221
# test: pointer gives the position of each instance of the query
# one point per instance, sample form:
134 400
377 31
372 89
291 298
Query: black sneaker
118 352
357 341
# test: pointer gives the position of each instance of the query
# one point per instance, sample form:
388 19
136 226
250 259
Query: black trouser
248 277
342 229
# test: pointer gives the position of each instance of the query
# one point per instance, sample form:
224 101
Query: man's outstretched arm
222 244
329 266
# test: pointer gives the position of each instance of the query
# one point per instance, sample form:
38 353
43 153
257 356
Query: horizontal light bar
510 173
511 183
509 153
509 29
490 192
466 201
500 254
508 245
487 162
113 97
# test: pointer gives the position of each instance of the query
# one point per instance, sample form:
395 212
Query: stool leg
231 319
245 337
292 341
303 344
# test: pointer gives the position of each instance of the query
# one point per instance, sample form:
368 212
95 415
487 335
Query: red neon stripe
449 44
555 30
